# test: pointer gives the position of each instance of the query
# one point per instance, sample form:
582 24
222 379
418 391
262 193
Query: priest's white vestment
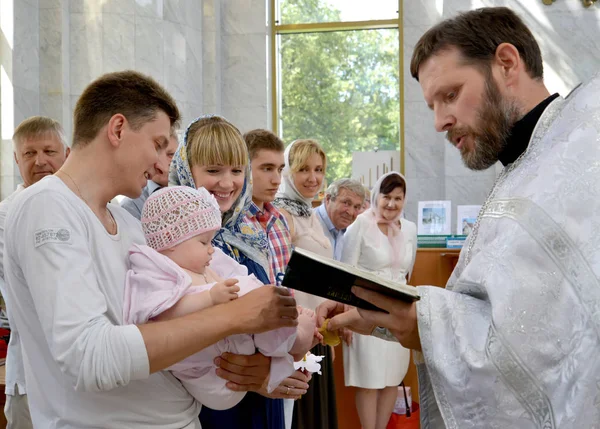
513 341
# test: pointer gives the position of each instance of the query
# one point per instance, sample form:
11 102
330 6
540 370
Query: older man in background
40 149
344 200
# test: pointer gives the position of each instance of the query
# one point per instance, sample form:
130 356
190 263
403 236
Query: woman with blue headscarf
214 155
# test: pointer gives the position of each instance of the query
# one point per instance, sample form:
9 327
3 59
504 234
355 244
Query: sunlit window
337 77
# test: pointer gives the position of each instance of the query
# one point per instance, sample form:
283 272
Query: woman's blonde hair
302 150
216 142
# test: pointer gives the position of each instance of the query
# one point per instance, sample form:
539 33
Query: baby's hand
317 337
224 291
307 312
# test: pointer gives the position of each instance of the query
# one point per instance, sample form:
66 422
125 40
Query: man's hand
264 309
401 319
224 291
342 316
292 387
244 373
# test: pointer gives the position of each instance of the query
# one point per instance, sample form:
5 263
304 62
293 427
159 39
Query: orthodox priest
513 340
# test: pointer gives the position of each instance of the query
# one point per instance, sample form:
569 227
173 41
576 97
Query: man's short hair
477 34
136 96
259 139
351 185
39 126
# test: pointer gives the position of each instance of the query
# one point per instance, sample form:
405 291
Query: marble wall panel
120 7
25 50
210 90
85 6
194 63
149 47
118 48
422 12
51 106
27 103
50 4
412 89
243 16
175 60
423 145
149 8
209 47
244 71
189 112
85 51
247 118
209 9
184 12
9 173
50 48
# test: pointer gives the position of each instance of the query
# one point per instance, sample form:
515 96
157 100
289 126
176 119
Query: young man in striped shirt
267 162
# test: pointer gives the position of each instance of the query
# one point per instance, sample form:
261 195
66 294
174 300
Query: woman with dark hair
382 242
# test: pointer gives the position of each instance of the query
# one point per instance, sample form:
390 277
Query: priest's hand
244 372
342 316
400 319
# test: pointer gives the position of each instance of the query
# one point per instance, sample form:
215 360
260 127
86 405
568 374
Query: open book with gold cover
324 277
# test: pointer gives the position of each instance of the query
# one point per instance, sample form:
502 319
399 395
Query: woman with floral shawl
214 155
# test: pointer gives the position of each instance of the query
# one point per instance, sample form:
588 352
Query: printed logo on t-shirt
52 235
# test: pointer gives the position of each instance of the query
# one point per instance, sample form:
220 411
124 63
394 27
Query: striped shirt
278 237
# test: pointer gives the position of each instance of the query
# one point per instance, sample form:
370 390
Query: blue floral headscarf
237 237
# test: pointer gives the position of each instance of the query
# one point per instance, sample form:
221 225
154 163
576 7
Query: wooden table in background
433 268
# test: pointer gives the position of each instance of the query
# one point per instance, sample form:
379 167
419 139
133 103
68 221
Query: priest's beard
497 115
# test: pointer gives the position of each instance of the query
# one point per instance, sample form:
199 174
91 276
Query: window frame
277 29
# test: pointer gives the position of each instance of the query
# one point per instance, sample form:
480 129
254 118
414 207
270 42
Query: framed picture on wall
466 216
435 218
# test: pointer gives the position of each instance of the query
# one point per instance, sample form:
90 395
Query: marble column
424 148
244 63
20 57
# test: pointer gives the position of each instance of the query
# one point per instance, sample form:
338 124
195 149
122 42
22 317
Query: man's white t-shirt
66 275
15 374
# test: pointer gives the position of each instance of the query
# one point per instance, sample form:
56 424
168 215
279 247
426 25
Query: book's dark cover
310 273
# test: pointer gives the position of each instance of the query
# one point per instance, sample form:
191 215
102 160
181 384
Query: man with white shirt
344 200
40 149
159 180
65 263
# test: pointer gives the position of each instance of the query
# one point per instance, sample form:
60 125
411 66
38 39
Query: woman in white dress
302 179
381 242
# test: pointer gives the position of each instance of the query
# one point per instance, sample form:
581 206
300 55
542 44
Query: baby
170 277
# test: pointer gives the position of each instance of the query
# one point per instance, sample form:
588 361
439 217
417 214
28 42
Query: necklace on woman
110 216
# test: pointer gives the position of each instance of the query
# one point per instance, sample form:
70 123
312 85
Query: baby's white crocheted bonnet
175 214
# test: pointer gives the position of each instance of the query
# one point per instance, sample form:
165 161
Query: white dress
369 362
